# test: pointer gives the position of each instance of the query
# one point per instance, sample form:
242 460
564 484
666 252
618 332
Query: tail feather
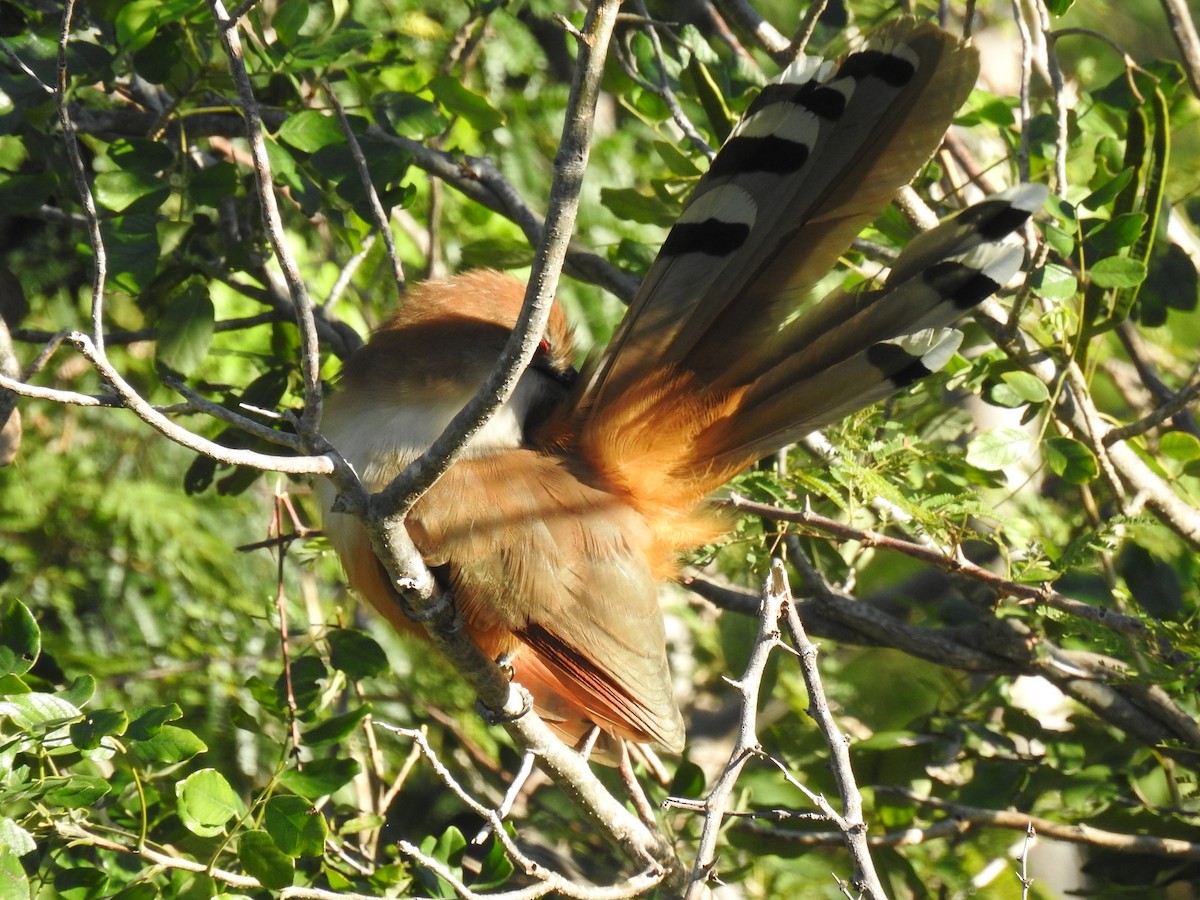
723 343
817 156
852 350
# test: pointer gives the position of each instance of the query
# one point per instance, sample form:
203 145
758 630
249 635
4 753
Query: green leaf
289 18
75 791
334 730
448 849
96 726
1118 272
720 119
1071 460
319 777
80 691
20 638
132 245
25 193
295 826
139 891
1055 282
1107 192
1179 445
890 740
326 49
309 131
306 672
997 449
136 24
688 780
263 860
408 115
497 253
186 330
147 722
1115 235
458 100
169 746
37 712
206 802
495 870
14 884
627 203
121 189
213 183
355 653
1026 386
679 163
15 838
141 155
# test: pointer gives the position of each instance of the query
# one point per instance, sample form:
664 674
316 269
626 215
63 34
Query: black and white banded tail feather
856 348
816 157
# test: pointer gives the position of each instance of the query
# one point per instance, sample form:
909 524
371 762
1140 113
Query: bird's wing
558 572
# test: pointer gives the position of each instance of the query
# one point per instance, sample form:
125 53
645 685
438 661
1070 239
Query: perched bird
576 499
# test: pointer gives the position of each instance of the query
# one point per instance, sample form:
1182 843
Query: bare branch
746 17
79 173
1179 16
548 881
382 220
1172 848
852 824
129 398
310 360
958 564
168 860
746 746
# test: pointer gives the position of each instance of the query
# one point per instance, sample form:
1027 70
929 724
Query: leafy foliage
181 719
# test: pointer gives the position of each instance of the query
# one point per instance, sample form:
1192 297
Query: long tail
720 359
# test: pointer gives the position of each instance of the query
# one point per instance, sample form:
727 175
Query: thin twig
852 824
958 564
746 17
1018 15
1171 848
805 31
382 219
547 880
1179 16
79 173
306 424
746 745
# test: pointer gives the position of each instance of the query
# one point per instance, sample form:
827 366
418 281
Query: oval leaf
459 101
1071 460
20 639
355 653
997 449
319 777
262 859
1179 445
310 130
206 802
1055 282
1118 272
295 826
1027 386
186 330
